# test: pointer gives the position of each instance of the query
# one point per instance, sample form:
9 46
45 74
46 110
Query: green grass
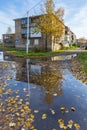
22 53
82 57
30 53
6 48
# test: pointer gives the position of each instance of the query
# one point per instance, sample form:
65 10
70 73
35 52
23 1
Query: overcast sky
75 13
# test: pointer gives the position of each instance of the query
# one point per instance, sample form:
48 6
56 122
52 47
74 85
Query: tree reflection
51 81
46 75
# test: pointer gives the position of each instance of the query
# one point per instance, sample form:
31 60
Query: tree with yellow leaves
51 21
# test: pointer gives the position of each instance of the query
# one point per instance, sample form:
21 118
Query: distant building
82 42
9 39
70 37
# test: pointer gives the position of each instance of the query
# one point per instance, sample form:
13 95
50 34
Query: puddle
63 57
49 87
1 56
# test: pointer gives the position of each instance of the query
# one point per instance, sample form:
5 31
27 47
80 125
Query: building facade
70 37
37 41
8 39
82 42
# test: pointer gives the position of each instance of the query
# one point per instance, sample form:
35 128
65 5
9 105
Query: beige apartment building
70 37
37 41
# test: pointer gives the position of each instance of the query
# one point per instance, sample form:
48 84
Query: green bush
74 44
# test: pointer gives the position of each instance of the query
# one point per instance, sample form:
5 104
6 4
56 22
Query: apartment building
70 37
37 41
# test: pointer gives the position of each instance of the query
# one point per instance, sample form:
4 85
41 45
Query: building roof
29 17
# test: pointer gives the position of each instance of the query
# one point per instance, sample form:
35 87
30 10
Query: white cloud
13 11
6 18
74 17
5 22
78 22
16 9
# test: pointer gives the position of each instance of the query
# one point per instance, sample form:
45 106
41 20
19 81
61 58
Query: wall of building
18 35
37 41
70 37
8 39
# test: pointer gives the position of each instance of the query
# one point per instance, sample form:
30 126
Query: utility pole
27 43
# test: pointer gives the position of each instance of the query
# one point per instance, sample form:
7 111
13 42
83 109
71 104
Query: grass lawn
31 53
12 50
83 60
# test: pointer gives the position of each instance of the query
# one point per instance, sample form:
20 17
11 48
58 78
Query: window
36 42
24 36
34 34
24 31
24 21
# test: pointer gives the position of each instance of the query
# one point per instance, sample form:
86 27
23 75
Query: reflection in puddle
48 78
49 90
35 69
1 56
48 87
63 57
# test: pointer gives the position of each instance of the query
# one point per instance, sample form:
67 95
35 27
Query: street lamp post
27 43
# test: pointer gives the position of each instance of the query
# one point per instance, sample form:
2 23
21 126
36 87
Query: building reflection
63 57
43 75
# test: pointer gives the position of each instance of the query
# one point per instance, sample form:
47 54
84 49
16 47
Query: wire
34 6
23 15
